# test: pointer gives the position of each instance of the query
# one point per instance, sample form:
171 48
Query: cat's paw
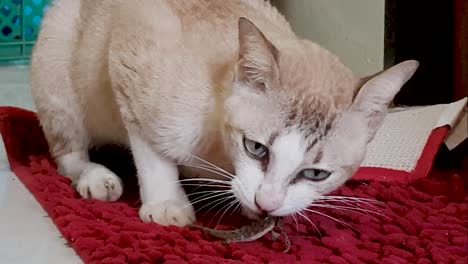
168 213
100 183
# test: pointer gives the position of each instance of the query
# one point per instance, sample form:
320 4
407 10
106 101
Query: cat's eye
255 149
314 174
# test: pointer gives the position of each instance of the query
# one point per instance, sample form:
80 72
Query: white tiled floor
26 234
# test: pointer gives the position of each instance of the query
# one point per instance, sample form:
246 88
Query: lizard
250 232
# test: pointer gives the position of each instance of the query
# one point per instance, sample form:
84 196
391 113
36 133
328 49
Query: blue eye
314 174
255 149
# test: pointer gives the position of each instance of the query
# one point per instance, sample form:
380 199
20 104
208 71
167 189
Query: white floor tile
26 234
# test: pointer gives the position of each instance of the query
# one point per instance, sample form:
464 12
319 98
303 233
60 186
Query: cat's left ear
257 62
377 92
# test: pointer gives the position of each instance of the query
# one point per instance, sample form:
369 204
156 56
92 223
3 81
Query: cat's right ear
373 98
257 61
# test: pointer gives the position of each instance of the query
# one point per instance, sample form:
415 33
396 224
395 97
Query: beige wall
352 29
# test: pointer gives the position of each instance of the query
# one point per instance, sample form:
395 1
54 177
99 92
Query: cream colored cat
180 81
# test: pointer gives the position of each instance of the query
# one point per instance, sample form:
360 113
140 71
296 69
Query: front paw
168 213
100 183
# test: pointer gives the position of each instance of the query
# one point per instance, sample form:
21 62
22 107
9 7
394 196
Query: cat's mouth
257 214
249 213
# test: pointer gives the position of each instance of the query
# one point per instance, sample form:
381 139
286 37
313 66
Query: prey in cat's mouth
251 232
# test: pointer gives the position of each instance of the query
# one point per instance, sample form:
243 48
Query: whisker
205 185
203 179
361 182
354 199
221 209
235 204
333 218
226 208
350 204
209 186
203 166
210 197
295 220
209 192
348 208
216 203
310 221
238 206
213 194
350 197
218 196
208 163
206 168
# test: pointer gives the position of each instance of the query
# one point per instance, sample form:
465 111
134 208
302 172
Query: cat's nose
263 212
268 199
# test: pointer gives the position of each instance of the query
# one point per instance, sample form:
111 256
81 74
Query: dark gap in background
422 30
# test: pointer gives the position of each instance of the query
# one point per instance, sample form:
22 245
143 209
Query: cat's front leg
163 199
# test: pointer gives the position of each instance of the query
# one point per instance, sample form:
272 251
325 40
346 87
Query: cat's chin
250 214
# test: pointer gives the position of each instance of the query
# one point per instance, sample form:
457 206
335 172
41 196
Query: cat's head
297 122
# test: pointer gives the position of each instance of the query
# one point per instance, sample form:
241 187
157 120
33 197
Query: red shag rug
422 222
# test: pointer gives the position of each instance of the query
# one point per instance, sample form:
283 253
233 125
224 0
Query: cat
222 90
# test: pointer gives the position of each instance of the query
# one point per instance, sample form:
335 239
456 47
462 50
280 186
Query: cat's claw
100 183
167 213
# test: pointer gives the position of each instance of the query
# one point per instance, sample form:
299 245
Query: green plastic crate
20 21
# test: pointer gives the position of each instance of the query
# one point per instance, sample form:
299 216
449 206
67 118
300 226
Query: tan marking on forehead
272 138
311 144
318 157
311 115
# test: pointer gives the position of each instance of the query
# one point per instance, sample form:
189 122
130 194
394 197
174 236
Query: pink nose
267 202
260 208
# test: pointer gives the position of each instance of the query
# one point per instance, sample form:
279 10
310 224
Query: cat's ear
363 80
376 93
257 62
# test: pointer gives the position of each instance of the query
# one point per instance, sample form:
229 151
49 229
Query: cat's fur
176 79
